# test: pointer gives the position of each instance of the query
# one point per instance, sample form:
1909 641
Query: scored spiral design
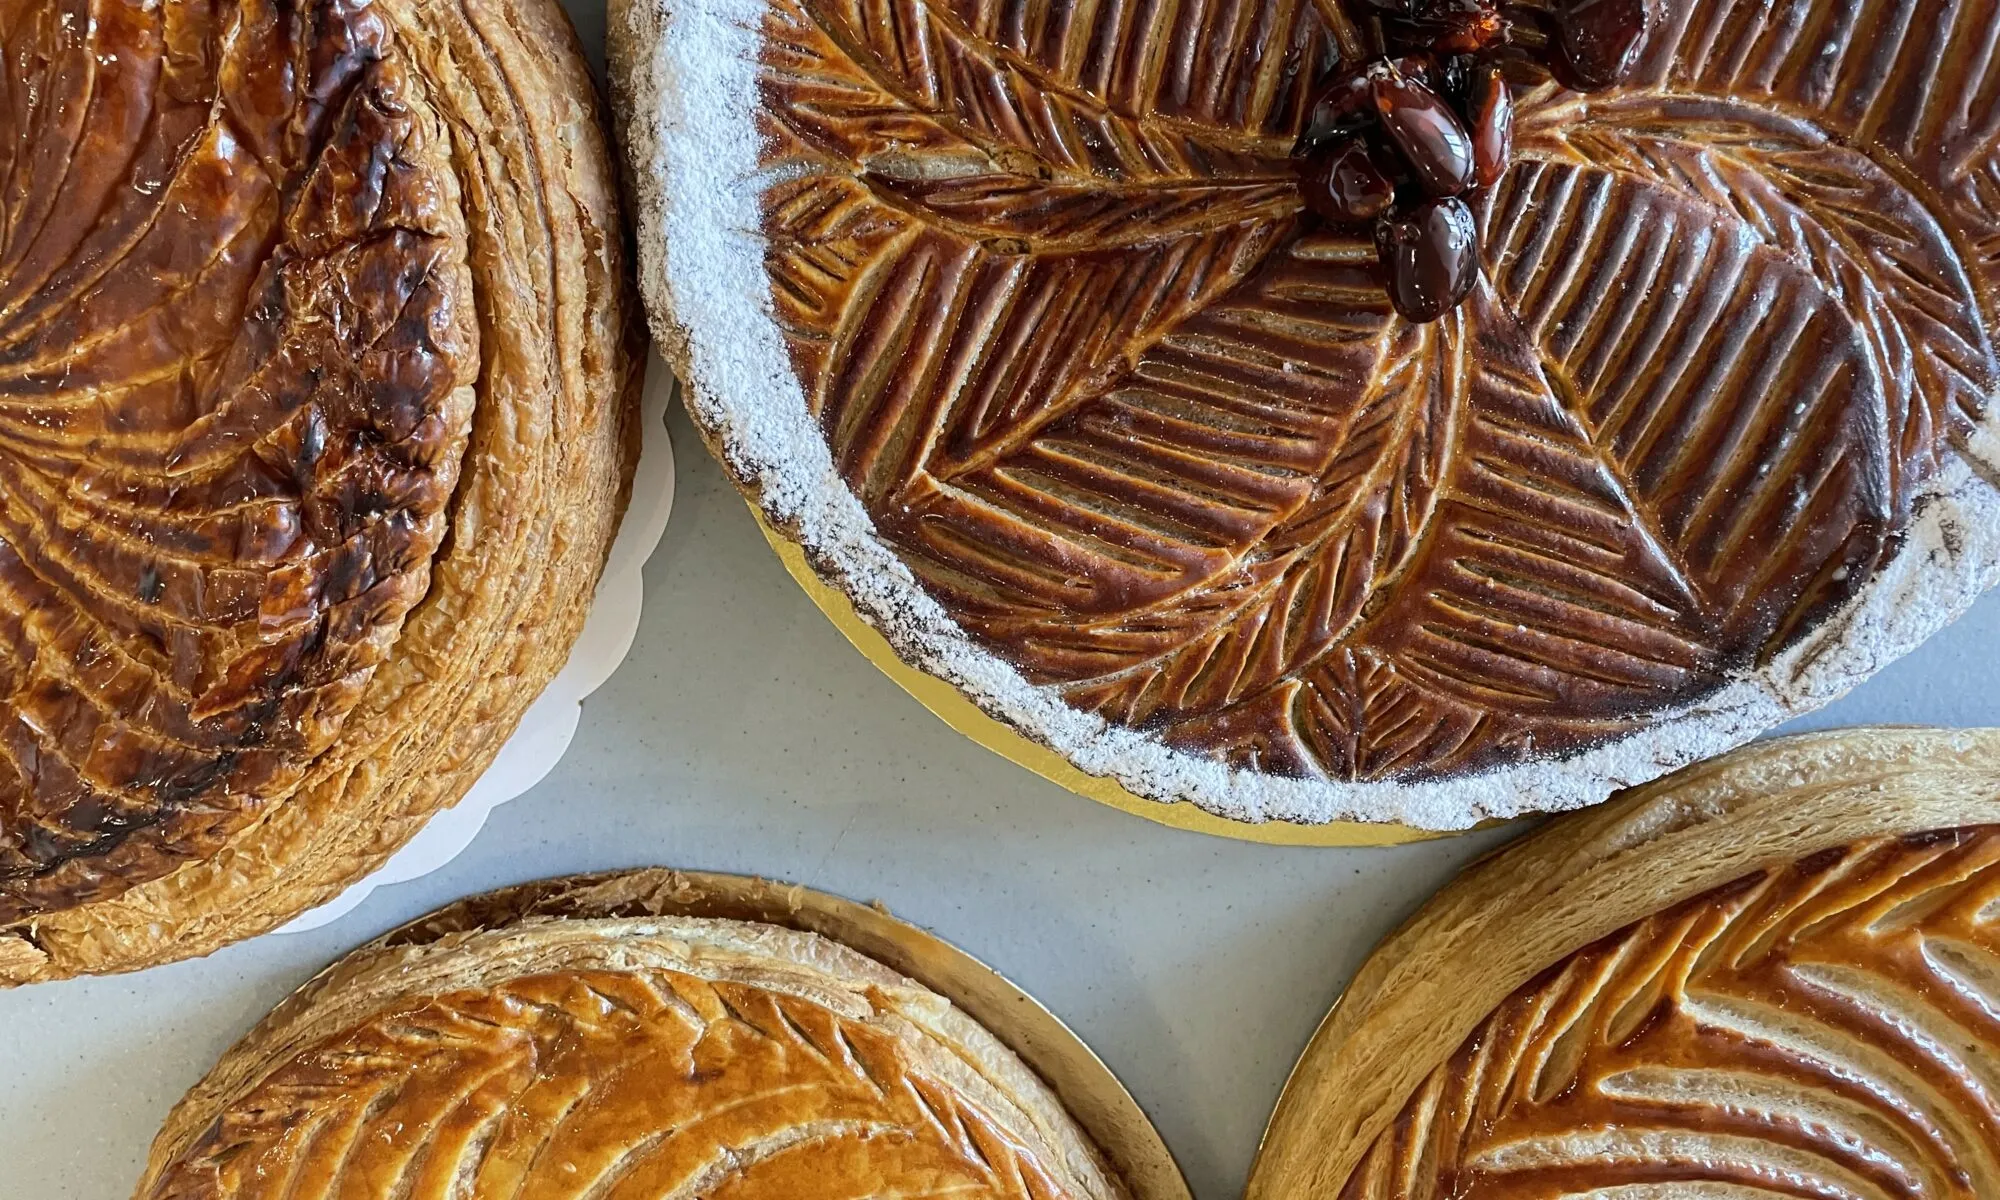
606 1085
1828 1029
1158 442
236 345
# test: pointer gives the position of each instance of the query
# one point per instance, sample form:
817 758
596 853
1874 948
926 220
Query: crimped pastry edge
638 919
674 63
531 520
1528 905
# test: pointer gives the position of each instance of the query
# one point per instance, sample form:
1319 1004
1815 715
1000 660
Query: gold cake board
953 708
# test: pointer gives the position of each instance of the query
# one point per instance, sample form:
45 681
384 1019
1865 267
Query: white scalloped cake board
550 722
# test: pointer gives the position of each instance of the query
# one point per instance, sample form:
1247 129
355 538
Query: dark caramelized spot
230 321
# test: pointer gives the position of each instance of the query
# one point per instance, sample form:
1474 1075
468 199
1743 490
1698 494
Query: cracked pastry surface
606 1057
1048 370
1777 974
316 369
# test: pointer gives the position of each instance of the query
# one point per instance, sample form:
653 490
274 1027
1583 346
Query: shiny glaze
1824 1029
232 322
1596 40
611 1086
1430 137
1345 183
1451 26
1490 106
1156 439
1431 258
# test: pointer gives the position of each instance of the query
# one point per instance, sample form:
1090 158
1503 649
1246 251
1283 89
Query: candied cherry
1430 137
1398 140
1430 256
1343 105
1596 41
1449 26
1344 182
1489 108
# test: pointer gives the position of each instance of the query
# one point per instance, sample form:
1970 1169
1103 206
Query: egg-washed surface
235 343
611 1084
1155 440
1823 1029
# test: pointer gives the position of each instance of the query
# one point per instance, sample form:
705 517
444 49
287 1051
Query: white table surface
743 734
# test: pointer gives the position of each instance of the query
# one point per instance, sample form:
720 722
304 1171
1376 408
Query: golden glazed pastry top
1056 377
1824 1024
1819 1028
315 370
238 336
608 1059
1157 439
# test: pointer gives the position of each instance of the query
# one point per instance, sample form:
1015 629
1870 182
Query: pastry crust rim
1946 557
1579 879
989 1020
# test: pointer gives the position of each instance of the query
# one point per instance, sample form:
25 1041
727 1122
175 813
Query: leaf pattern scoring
1826 1029
236 350
1158 441
608 1085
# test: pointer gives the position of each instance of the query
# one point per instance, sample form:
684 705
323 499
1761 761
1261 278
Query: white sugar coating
684 87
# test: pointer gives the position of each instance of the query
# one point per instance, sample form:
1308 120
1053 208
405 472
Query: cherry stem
1345 35
1524 27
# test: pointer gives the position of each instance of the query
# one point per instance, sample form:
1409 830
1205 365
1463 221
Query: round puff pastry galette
492 1053
1776 974
317 378
1024 320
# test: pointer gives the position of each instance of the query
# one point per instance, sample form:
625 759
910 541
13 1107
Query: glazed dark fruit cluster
1398 141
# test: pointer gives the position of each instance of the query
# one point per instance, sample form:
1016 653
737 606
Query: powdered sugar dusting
684 82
